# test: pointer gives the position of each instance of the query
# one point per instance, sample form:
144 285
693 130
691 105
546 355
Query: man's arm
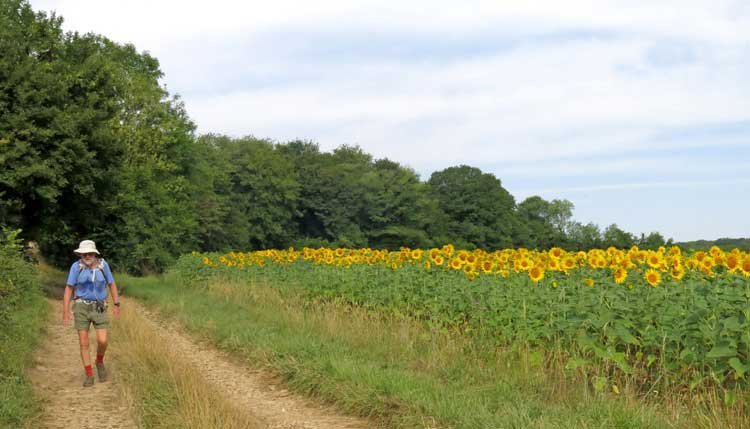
115 294
115 299
66 304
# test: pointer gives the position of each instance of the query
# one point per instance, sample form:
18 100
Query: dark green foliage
16 275
723 243
547 222
263 193
348 199
92 147
615 237
480 212
22 314
652 241
584 237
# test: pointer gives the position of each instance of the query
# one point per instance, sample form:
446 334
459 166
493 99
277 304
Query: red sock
89 371
99 358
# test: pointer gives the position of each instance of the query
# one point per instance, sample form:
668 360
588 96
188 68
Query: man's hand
66 318
116 311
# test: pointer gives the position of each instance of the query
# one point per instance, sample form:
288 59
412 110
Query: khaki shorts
85 314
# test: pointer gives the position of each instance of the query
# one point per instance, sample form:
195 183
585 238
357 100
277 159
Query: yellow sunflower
653 277
620 275
707 266
568 263
654 260
524 264
732 262
556 253
678 272
553 265
434 253
745 266
448 250
456 263
536 274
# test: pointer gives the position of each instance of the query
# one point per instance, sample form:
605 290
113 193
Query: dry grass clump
161 388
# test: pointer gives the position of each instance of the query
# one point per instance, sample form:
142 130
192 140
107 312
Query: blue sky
636 111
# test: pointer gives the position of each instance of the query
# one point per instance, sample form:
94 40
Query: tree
264 194
616 237
584 237
398 207
479 211
92 145
332 194
652 241
547 223
56 106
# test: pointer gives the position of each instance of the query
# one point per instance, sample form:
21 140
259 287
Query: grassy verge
21 328
396 371
161 389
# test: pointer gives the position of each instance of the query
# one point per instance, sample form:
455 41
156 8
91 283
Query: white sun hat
87 246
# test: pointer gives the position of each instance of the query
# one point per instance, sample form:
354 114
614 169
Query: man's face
89 256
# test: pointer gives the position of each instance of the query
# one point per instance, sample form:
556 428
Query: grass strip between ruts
162 390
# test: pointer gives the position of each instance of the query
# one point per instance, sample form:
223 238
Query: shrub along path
57 377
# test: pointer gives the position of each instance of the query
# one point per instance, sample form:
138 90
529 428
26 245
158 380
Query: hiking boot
101 371
88 382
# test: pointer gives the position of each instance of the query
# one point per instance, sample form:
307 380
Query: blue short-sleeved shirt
90 283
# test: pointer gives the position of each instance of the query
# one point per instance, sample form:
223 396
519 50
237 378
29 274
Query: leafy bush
16 275
21 318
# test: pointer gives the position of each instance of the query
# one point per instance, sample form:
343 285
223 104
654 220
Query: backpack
99 267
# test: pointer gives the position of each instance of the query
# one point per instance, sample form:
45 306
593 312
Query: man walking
87 284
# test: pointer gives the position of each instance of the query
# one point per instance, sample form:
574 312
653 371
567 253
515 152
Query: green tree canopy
616 237
480 212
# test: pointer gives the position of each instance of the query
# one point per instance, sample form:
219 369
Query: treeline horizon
93 147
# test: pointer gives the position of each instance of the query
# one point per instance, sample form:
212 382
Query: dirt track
58 375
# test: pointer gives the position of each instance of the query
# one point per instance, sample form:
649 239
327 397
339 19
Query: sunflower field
642 314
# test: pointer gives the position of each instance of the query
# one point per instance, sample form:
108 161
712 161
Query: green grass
393 370
18 338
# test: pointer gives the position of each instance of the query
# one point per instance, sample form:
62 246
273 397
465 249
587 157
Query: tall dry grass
161 388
